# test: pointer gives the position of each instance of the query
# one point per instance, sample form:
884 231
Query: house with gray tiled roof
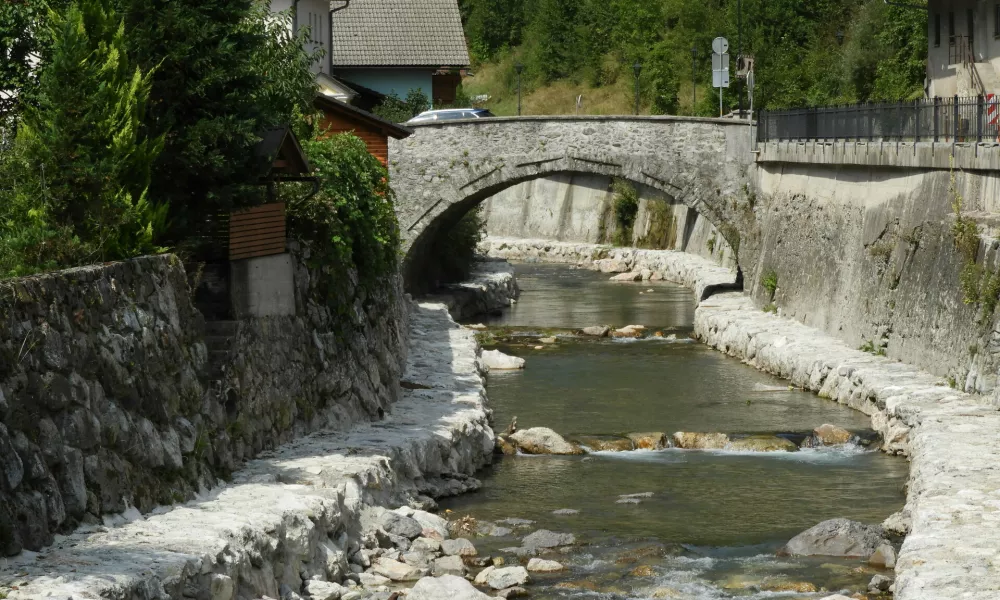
393 46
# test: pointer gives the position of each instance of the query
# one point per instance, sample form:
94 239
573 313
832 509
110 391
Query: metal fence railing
936 119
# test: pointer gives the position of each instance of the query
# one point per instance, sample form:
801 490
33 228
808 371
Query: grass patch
770 283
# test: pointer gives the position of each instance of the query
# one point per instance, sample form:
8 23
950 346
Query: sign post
720 66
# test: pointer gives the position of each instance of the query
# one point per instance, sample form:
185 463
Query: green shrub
626 203
80 167
770 283
350 224
397 110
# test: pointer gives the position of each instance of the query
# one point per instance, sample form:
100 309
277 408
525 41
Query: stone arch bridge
445 169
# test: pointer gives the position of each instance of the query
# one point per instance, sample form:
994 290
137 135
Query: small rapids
668 522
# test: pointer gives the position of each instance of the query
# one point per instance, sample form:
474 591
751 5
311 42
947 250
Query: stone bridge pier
445 169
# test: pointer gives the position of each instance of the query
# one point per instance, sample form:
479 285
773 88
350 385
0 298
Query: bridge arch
445 169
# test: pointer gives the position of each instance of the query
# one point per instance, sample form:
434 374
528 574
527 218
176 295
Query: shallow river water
714 520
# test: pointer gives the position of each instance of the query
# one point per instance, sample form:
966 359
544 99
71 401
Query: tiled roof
399 33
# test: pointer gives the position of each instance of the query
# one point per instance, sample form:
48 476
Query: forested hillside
588 47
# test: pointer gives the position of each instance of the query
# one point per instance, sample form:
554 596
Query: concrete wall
579 207
110 398
868 255
263 286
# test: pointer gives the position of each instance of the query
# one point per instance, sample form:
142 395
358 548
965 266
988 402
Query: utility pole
519 67
694 73
637 67
739 51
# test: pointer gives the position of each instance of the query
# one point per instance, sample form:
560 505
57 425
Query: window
996 20
951 29
970 25
937 28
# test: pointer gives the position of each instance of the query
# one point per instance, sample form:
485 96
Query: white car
450 114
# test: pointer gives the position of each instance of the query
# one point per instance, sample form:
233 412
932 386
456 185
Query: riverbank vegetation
570 48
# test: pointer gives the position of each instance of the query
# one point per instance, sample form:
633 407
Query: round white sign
720 45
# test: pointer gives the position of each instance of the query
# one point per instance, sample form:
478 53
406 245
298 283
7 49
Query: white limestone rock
539 565
324 590
836 537
459 547
397 571
446 587
542 440
449 565
506 577
498 361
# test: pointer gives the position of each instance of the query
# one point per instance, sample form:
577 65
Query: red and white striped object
992 109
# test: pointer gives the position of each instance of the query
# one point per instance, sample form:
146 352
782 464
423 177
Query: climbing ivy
980 284
626 203
349 225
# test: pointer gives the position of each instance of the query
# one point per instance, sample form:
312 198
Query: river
714 519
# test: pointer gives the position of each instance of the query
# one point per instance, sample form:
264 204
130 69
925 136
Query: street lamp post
518 68
694 87
637 68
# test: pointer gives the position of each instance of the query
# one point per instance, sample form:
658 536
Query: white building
963 56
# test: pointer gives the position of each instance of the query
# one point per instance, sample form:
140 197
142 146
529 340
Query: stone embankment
491 286
950 438
694 272
291 518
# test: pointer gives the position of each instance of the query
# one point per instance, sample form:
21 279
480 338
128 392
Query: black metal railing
937 119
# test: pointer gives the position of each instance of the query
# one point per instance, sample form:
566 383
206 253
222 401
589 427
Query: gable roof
399 33
353 113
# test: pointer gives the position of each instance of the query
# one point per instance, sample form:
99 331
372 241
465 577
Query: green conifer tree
81 160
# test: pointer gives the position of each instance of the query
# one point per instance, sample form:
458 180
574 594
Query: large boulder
762 443
506 577
700 441
543 538
397 524
458 547
540 565
450 587
397 571
831 435
498 361
606 443
449 565
597 331
836 537
884 557
649 441
629 277
428 521
542 440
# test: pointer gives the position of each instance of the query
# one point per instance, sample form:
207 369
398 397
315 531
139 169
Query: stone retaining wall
490 287
292 517
110 401
949 436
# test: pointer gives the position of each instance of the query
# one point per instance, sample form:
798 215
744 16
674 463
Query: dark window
970 24
996 20
951 29
937 29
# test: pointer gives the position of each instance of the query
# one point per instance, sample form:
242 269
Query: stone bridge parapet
447 168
